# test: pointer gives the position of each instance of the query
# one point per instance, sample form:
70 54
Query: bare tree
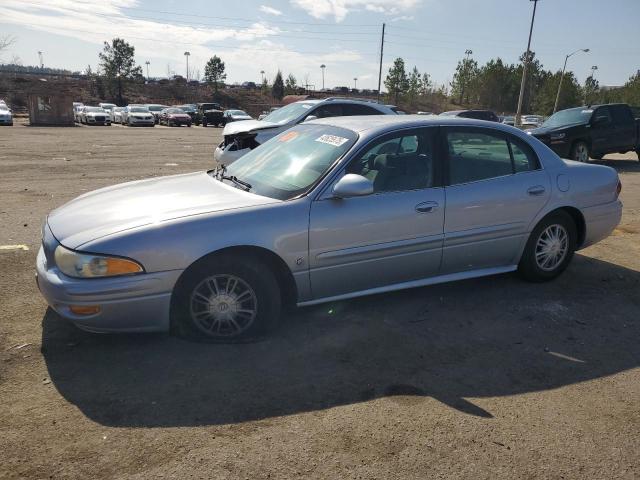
5 42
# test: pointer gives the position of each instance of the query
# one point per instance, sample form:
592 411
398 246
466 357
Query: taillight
618 188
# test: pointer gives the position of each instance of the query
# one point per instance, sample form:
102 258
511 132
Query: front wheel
204 124
549 249
580 152
225 298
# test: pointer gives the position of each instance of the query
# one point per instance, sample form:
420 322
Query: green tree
214 72
591 90
415 84
277 90
397 82
464 79
426 85
291 85
118 64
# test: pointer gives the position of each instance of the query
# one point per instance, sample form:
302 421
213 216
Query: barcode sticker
332 140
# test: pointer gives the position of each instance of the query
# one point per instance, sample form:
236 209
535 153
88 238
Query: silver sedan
328 210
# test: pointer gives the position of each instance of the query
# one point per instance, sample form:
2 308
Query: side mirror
310 117
352 185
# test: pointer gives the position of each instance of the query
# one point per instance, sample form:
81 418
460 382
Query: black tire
598 156
638 153
529 267
250 271
216 125
579 150
204 123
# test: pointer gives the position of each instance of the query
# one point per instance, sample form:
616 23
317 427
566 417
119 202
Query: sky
297 36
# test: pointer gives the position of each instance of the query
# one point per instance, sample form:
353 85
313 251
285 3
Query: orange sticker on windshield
287 137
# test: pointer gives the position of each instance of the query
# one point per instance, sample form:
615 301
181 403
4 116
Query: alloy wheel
552 247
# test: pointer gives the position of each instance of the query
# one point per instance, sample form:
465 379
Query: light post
262 73
466 73
147 63
322 67
355 83
186 54
527 59
585 50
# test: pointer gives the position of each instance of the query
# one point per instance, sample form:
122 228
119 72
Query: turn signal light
84 309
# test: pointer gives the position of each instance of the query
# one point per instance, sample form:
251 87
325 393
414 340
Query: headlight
87 265
558 136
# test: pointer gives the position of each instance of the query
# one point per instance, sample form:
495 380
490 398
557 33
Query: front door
391 236
495 190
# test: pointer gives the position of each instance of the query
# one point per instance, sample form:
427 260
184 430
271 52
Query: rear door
604 135
625 127
391 236
495 190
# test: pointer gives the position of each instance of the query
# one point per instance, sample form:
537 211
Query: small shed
48 107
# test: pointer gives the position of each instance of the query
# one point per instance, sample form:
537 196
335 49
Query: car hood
247 126
94 114
146 202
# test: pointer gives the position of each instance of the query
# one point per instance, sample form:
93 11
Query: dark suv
477 114
209 114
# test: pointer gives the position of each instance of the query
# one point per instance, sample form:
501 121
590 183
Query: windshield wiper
220 173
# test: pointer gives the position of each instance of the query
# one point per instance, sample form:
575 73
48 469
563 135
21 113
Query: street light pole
527 58
147 62
586 50
322 67
355 83
262 73
186 54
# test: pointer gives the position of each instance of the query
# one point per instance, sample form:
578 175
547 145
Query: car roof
377 124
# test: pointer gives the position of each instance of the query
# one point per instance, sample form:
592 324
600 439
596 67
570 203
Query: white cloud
339 9
270 10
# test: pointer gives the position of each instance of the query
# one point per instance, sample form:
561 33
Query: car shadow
621 165
486 337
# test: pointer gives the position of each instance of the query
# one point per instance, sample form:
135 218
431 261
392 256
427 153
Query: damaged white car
243 136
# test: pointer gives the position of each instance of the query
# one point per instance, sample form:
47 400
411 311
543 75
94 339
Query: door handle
537 190
426 207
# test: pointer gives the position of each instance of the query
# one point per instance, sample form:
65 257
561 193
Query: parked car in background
535 120
116 114
209 114
190 110
240 138
78 104
94 116
174 117
509 120
235 116
107 107
487 115
155 110
424 113
77 110
6 117
591 132
137 116
377 205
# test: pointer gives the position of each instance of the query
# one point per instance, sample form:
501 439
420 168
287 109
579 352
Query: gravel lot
488 378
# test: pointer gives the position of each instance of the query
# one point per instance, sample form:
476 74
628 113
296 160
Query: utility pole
586 50
262 73
527 58
380 71
322 67
147 63
186 54
41 59
466 73
355 83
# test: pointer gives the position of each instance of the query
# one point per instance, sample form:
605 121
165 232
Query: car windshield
139 109
289 164
287 114
187 108
569 117
156 108
174 110
94 109
237 112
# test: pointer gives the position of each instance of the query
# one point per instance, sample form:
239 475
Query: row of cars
204 114
321 201
6 117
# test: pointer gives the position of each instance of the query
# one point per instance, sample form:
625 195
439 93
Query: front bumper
179 121
6 121
141 121
137 303
92 120
228 156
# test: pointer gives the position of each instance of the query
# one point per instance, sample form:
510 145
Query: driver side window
400 162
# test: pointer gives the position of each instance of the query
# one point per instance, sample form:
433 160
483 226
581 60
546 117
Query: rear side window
602 112
476 155
356 109
621 114
325 111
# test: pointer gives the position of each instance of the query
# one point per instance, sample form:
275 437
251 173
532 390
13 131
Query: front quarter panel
281 228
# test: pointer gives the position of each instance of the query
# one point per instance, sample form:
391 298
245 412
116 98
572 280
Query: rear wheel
638 153
598 156
549 249
225 299
580 152
204 123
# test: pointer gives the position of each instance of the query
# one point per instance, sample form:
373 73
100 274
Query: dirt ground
488 378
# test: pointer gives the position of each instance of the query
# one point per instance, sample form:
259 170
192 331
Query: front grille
99 119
